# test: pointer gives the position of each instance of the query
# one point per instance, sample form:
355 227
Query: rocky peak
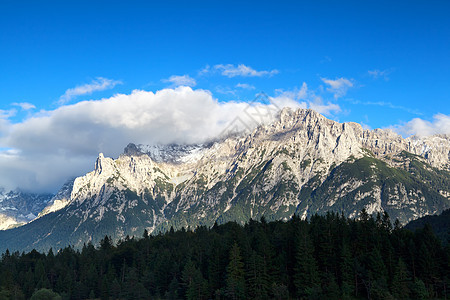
103 164
132 150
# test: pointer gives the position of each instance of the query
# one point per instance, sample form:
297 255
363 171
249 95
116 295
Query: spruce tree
401 281
306 278
235 281
257 278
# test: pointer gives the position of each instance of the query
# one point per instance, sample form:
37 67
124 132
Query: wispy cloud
387 104
24 105
245 86
376 74
99 84
204 71
5 114
417 126
326 59
178 80
338 86
225 90
231 70
305 98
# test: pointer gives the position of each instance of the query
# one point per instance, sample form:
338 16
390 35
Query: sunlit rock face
301 163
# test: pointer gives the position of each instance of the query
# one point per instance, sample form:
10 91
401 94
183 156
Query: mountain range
18 208
301 163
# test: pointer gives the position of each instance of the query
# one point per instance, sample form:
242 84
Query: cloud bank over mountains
50 146
439 125
42 151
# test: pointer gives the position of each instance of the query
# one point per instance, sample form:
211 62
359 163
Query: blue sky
379 63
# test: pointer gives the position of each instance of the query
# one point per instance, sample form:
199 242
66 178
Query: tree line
327 256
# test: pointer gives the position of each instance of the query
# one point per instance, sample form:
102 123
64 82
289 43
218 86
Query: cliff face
302 163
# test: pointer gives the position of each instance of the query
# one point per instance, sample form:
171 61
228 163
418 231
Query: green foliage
305 163
327 257
45 294
235 282
306 277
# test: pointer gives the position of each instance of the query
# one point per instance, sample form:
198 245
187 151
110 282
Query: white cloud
178 80
338 86
305 98
225 90
417 126
230 70
375 74
24 105
5 114
365 126
245 86
303 92
4 122
99 84
33 151
327 109
204 71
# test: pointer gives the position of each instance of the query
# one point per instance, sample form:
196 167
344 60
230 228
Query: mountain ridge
302 163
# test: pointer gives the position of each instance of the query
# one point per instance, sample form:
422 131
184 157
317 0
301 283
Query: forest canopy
324 257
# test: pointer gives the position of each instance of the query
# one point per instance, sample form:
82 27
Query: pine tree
419 291
173 292
106 243
346 272
28 286
216 266
115 289
45 294
193 281
401 281
386 222
235 282
257 277
41 278
306 277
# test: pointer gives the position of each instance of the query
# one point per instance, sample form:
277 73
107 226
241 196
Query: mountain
302 163
18 208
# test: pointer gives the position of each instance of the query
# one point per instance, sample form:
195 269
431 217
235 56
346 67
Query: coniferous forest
327 257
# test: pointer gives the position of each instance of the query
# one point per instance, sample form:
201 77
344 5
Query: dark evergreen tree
235 281
326 257
257 277
347 273
45 294
418 289
307 279
173 292
401 282
193 281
